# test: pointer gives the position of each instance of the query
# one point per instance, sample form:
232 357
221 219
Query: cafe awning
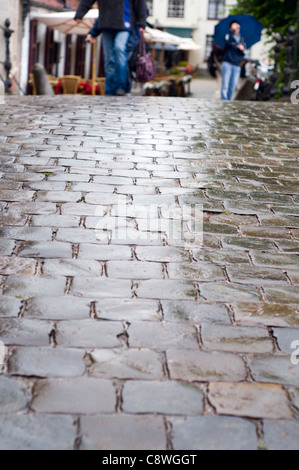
157 36
66 24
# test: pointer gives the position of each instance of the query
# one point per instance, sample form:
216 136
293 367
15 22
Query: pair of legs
116 61
131 46
230 79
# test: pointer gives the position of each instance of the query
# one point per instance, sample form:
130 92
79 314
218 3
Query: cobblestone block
104 252
166 290
236 339
256 275
287 246
284 295
247 243
12 395
213 433
184 311
9 307
33 208
162 397
23 332
272 220
6 247
278 370
55 221
99 288
45 186
134 270
46 362
19 432
12 195
195 272
141 364
74 396
72 268
233 219
82 210
197 366
128 310
89 334
275 260
122 432
162 254
58 196
252 400
285 338
46 250
17 266
281 435
294 276
14 220
268 233
162 336
29 286
57 308
27 233
225 292
76 235
281 315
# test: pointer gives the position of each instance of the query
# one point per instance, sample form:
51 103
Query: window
80 56
50 58
216 9
209 45
176 8
33 57
150 7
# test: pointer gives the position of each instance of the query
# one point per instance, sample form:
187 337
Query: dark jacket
233 54
112 13
132 43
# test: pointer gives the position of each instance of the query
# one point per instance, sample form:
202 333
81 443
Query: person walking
231 66
118 18
132 45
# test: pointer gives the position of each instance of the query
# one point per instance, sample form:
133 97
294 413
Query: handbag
145 65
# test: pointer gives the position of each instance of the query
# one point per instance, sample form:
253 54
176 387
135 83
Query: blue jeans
116 61
230 79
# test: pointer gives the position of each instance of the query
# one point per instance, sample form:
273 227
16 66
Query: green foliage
175 71
276 15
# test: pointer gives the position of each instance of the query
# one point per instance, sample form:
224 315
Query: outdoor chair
70 84
101 83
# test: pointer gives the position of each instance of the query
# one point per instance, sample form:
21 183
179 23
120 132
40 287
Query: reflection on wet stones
144 342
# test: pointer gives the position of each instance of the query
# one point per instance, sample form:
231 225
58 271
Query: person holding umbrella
118 19
231 66
235 34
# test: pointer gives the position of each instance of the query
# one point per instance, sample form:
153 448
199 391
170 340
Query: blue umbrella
251 30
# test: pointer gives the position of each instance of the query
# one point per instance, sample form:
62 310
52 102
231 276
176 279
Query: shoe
120 93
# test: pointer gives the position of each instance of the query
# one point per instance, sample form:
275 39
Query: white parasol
162 37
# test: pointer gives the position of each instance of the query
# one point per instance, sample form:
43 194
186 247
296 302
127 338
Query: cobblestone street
139 342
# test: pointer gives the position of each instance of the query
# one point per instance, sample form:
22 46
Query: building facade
33 42
196 19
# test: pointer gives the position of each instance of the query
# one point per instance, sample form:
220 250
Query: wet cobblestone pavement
141 343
